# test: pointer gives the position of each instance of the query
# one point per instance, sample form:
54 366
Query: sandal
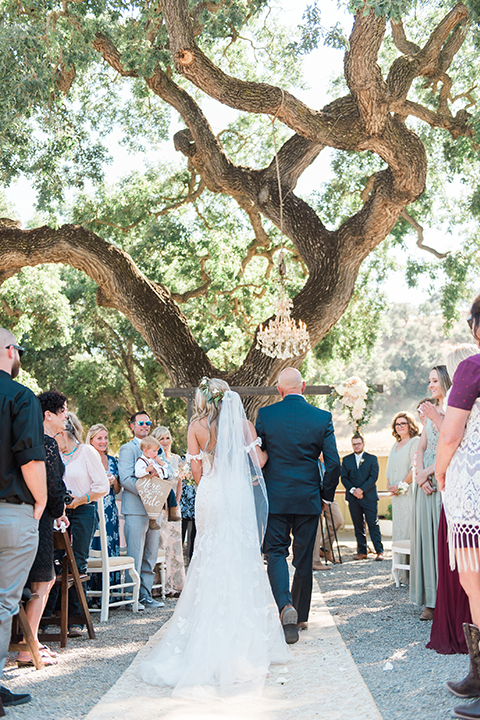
47 661
47 650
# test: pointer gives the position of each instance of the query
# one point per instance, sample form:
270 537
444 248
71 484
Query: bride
225 631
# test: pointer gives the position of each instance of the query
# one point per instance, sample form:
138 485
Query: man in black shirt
23 491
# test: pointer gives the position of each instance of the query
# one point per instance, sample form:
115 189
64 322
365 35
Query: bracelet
88 497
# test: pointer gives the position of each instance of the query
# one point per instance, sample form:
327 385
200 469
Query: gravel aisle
376 620
380 625
86 668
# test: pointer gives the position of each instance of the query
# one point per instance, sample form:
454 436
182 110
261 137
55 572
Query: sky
320 67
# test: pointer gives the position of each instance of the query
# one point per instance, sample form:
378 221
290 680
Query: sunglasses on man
141 423
20 349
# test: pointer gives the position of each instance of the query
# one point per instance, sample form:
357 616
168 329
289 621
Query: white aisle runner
321 681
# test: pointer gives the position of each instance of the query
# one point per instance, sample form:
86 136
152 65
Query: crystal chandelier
282 338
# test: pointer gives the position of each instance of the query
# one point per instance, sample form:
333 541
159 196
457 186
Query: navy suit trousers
368 510
276 548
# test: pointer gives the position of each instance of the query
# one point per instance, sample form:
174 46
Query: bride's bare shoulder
198 428
199 434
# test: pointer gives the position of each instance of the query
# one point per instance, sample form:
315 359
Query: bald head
6 338
290 381
9 358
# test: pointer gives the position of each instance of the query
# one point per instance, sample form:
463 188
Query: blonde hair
149 442
74 427
458 354
160 431
209 410
93 432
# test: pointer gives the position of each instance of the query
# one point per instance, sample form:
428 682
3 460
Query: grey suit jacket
128 456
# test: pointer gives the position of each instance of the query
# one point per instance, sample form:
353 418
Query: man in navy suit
294 434
359 476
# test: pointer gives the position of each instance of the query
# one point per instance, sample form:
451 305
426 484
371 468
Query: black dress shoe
8 698
289 619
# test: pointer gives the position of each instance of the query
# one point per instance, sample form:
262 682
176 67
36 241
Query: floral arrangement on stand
356 398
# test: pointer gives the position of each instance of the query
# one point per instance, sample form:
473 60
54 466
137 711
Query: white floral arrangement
402 488
356 397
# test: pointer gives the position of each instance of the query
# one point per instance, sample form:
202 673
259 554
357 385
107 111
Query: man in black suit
294 434
359 476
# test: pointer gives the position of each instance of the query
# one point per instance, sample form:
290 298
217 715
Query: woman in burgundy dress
452 608
458 470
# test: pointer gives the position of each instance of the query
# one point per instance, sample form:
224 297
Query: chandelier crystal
282 338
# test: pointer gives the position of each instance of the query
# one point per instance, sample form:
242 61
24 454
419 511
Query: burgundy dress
452 608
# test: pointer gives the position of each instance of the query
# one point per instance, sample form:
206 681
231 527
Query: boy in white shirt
150 465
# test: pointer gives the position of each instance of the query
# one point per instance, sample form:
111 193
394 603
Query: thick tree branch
457 126
111 55
244 95
432 60
293 158
400 39
362 73
148 306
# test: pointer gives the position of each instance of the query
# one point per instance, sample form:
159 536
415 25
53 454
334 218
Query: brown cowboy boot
468 712
470 686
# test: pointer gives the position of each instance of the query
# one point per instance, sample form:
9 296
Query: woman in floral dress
97 437
171 532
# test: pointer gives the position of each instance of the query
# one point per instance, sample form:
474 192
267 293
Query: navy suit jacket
294 433
364 478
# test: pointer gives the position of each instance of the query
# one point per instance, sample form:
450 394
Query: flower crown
212 395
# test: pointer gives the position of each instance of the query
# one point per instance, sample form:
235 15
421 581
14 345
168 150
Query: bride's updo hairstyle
208 402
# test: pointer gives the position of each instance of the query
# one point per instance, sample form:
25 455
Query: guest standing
23 492
359 477
427 506
187 507
458 470
87 481
451 609
142 541
399 470
97 437
171 532
42 573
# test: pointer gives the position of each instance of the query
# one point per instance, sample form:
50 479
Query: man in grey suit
142 542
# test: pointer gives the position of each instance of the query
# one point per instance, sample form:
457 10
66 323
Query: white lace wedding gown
225 631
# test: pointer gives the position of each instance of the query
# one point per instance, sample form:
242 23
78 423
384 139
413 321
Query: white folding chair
399 547
162 568
100 562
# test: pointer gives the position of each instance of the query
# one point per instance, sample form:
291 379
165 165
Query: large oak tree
168 48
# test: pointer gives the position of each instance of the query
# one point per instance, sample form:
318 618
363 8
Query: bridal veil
225 631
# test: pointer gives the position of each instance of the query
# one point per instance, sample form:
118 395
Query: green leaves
312 33
391 9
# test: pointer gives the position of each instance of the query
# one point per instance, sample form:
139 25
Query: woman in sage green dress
399 470
427 505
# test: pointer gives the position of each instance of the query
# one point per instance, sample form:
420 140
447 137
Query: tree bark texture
370 118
